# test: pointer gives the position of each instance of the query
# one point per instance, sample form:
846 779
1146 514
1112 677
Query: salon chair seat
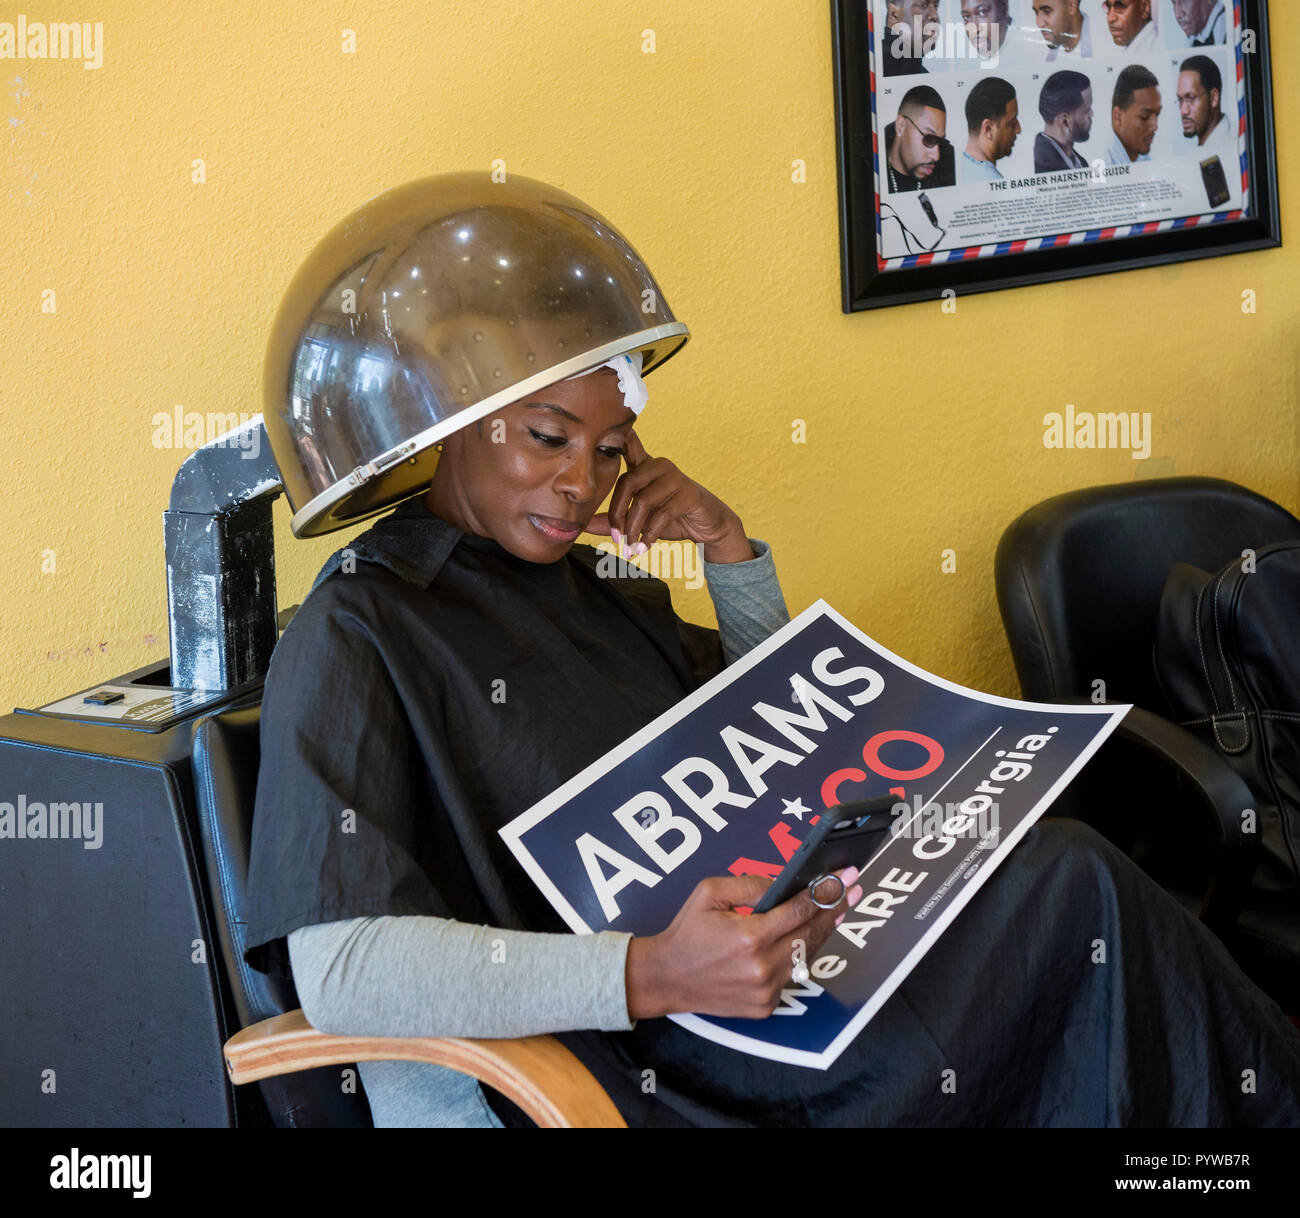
1079 582
298 1069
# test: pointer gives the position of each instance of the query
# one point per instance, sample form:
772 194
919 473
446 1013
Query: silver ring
812 890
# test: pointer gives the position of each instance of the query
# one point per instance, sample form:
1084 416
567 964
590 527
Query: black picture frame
864 285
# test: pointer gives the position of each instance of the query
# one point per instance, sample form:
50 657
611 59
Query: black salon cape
445 685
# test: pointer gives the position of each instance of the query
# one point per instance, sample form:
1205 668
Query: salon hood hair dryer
429 307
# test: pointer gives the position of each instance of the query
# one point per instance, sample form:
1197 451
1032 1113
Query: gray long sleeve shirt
428 976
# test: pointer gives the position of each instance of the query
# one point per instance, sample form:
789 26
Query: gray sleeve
748 600
427 976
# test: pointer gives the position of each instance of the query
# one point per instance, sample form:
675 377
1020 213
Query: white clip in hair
630 382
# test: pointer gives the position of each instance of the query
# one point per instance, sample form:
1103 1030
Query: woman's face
523 474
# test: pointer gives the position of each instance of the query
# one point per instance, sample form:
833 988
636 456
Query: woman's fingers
634 482
640 492
641 507
653 501
793 916
636 452
630 484
658 523
814 933
714 961
649 517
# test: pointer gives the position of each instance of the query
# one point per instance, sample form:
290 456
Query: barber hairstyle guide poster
1006 126
732 779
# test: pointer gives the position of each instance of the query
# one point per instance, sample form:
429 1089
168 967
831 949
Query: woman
475 659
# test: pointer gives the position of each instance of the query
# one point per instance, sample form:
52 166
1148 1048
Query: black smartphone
846 835
1216 182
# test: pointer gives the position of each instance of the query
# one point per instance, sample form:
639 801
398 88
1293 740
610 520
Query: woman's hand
653 499
715 961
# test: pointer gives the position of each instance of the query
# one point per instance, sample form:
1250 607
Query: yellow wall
924 430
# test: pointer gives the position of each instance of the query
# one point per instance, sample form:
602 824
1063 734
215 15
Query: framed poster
987 144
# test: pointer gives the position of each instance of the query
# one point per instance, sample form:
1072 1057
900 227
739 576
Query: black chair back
1079 577
226 756
1079 582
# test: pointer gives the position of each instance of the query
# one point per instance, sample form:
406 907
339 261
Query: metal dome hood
431 306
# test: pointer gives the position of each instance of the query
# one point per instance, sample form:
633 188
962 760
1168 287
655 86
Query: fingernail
840 919
639 548
855 894
616 535
849 874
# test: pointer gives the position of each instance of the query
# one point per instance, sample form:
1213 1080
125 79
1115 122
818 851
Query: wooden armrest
536 1072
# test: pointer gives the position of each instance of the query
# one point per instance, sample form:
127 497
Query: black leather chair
1079 581
300 1070
226 755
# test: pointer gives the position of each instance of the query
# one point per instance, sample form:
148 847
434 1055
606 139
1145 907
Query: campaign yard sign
732 778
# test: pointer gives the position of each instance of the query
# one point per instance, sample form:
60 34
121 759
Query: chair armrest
1227 795
536 1072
